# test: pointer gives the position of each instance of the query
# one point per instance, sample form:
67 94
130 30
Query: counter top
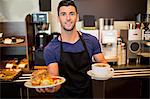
131 70
131 73
126 67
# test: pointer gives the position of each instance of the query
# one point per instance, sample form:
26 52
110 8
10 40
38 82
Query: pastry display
9 74
17 63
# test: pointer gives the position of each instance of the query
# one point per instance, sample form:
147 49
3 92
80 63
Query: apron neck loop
84 45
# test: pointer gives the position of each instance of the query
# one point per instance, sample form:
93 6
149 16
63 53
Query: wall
55 22
117 9
148 6
16 10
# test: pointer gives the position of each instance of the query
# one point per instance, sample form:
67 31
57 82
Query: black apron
74 66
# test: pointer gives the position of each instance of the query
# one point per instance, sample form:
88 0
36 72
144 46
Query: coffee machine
42 31
109 44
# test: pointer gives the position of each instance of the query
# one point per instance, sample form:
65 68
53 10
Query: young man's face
67 17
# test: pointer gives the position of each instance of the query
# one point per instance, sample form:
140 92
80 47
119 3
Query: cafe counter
127 82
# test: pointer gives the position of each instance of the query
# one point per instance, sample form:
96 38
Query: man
70 55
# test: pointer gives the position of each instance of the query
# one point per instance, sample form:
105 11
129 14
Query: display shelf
14 30
13 45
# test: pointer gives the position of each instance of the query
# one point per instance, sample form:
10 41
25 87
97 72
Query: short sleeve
50 54
96 46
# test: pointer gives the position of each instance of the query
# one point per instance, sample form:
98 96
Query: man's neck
70 36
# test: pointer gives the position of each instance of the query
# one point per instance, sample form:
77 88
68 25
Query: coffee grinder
42 32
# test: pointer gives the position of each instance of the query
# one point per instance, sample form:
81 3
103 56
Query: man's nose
68 17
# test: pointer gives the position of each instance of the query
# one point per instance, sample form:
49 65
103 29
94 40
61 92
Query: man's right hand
49 90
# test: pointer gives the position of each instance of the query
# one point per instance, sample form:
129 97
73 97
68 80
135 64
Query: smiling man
70 55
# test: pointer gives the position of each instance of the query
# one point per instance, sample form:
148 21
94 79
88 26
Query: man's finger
38 90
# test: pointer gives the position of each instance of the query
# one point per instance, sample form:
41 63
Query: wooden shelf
13 45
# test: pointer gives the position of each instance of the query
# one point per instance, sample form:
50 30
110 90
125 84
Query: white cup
101 69
1 34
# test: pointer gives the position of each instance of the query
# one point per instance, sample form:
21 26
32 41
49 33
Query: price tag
21 65
8 65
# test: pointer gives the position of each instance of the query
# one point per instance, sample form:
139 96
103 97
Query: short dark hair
66 3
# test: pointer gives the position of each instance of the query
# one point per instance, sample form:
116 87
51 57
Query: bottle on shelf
119 53
123 53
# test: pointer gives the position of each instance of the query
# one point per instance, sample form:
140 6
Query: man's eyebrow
72 12
65 12
62 12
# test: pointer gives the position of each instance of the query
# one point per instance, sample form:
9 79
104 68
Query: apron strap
84 45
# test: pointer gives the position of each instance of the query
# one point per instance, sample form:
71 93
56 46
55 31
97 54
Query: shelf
13 45
18 30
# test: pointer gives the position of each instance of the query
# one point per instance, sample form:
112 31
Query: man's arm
99 58
53 69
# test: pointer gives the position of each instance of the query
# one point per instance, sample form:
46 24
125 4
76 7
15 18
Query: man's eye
71 14
62 14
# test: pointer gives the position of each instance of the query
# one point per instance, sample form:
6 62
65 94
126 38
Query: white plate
98 77
28 84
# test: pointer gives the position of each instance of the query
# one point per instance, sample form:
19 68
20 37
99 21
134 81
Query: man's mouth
68 24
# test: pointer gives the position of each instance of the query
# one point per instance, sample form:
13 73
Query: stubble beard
68 30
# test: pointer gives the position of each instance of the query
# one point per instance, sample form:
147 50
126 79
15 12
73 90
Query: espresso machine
109 44
108 39
42 31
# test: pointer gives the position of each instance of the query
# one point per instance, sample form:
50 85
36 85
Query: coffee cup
1 34
101 69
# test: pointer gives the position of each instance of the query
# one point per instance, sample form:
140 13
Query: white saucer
98 77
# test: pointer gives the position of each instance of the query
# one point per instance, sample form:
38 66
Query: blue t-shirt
52 50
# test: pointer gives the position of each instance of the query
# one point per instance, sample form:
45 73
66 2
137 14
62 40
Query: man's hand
50 90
